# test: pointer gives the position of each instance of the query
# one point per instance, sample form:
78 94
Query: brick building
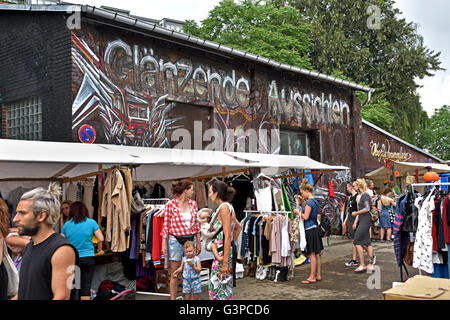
84 74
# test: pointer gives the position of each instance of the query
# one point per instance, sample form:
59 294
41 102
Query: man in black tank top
49 260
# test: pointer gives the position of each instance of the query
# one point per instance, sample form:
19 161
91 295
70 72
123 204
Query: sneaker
277 273
258 272
263 273
352 263
374 259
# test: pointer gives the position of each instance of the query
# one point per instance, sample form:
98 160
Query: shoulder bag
13 276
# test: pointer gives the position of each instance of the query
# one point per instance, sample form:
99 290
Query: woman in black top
350 219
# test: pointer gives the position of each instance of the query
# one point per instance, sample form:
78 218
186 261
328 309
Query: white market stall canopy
38 161
408 167
273 164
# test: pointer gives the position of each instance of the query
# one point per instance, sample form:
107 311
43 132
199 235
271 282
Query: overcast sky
432 17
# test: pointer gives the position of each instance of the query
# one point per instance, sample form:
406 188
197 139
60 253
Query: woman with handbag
9 278
221 280
4 230
362 225
180 225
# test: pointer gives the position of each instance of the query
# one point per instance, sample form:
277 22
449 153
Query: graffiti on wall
384 152
133 88
128 117
144 70
292 105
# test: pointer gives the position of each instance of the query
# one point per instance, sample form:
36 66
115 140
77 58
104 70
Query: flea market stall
404 173
86 172
420 221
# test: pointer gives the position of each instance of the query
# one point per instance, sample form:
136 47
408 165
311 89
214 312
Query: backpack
324 225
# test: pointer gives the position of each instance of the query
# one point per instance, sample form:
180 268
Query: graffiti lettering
384 152
309 106
184 80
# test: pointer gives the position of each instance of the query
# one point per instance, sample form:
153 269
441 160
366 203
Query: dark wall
378 146
137 90
35 61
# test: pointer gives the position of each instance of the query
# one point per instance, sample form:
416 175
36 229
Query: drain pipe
369 94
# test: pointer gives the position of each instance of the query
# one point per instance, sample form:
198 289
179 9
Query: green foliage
379 114
435 136
388 58
259 28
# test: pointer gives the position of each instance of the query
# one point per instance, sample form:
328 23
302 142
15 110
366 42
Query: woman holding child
221 280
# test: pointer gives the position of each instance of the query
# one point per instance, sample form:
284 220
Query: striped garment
399 243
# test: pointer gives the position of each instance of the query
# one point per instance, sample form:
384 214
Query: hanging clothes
158 191
276 238
423 245
116 210
446 218
400 238
286 201
264 199
87 196
244 191
126 174
268 233
71 193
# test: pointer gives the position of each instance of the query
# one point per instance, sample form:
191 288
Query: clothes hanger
241 174
211 180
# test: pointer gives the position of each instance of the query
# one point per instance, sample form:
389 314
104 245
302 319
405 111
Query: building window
24 119
294 143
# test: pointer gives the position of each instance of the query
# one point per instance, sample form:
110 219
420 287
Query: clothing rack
264 212
156 201
430 184
423 184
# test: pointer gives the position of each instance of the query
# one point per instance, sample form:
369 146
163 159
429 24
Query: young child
191 267
204 216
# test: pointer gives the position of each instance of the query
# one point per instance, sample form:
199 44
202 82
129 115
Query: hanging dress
423 245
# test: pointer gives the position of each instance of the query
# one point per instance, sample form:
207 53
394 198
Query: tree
259 28
372 47
435 137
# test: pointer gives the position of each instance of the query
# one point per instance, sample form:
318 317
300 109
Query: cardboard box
420 288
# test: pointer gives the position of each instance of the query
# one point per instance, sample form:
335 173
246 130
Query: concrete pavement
338 281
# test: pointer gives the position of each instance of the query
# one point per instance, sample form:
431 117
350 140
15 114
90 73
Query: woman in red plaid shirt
180 224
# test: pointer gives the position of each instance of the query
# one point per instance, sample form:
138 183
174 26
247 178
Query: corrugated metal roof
138 22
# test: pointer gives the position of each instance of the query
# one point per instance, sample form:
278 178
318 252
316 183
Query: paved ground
338 281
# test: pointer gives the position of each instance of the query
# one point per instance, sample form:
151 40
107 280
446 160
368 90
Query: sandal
307 281
360 269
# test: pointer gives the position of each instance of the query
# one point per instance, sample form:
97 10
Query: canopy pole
100 197
61 199
223 173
